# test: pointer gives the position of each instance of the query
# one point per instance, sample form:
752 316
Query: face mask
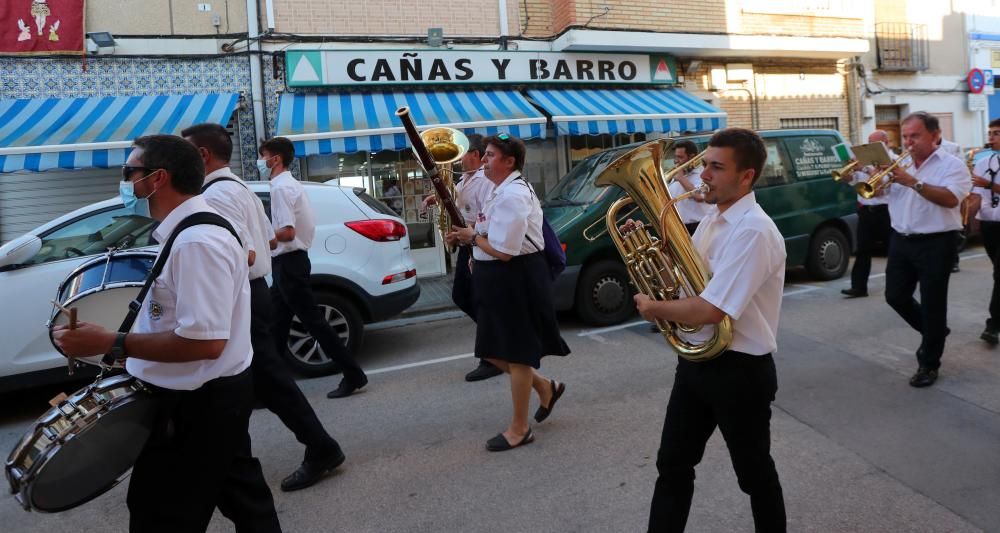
137 206
263 169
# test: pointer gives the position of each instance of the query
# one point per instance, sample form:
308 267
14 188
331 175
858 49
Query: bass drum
101 290
82 447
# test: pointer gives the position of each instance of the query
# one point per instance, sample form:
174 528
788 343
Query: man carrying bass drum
191 346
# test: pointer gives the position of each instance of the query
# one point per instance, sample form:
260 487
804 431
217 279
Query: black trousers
292 296
927 260
991 241
461 290
198 458
274 385
691 227
733 392
873 226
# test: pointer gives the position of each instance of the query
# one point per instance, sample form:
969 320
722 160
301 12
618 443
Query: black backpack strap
532 191
196 219
223 178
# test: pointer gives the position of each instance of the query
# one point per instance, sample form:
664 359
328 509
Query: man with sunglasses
190 345
987 189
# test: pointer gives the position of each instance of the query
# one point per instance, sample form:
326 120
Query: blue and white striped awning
597 111
353 122
46 133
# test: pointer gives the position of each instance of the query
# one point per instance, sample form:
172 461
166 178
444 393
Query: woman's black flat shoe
500 444
557 391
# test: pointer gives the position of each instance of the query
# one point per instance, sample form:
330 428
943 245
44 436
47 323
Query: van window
775 170
577 187
813 156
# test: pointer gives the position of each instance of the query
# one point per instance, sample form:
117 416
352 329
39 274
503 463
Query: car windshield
95 234
577 187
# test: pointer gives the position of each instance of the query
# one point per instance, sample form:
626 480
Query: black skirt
515 319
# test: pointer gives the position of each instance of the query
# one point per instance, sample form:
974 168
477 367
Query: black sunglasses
128 170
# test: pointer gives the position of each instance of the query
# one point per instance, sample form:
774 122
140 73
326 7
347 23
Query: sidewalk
435 296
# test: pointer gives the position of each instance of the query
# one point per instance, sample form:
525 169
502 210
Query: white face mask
263 169
138 206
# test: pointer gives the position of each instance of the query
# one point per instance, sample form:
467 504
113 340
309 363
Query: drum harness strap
195 219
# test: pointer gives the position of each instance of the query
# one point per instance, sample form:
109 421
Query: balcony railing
901 46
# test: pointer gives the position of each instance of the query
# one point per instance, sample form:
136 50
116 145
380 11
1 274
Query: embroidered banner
35 27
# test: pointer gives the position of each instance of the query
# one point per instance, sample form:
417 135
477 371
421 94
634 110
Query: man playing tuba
734 390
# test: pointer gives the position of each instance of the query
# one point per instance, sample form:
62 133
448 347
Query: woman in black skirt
516 323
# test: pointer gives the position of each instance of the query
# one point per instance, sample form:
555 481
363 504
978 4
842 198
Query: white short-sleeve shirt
690 210
912 213
986 167
244 209
290 207
203 293
471 194
745 253
511 219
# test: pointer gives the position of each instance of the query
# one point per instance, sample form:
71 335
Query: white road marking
799 289
588 333
395 368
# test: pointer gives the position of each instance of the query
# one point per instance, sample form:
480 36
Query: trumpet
875 184
843 173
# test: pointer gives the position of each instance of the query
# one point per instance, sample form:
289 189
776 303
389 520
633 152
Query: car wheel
829 253
305 354
603 294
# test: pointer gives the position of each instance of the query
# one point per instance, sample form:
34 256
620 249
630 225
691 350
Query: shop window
347 169
398 181
583 146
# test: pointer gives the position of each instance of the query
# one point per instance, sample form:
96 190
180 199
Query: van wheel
829 253
304 353
603 294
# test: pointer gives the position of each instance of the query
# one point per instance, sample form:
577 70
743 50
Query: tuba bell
664 268
446 146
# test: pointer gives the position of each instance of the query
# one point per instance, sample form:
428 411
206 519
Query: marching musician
272 381
873 226
987 192
924 211
470 195
515 321
694 208
294 229
733 391
191 345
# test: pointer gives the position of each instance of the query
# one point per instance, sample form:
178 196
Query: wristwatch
473 241
918 186
118 348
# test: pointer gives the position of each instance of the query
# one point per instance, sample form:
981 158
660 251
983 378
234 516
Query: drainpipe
256 79
269 13
504 24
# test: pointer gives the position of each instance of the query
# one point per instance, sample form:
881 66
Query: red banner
35 27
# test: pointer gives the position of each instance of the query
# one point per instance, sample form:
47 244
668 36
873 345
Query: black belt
875 206
924 236
205 387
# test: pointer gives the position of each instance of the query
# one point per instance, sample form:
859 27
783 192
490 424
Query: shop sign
814 156
311 68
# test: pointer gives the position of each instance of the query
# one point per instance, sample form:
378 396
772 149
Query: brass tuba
664 269
446 146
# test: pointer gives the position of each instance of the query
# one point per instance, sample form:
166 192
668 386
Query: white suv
361 268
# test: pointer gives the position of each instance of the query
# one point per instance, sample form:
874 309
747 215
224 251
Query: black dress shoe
854 293
557 391
990 335
345 389
925 377
500 444
483 371
653 328
307 474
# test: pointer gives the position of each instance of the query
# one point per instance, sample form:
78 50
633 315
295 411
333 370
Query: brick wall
392 17
792 90
696 16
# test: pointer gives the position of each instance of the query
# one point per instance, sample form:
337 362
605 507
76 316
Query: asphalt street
857 449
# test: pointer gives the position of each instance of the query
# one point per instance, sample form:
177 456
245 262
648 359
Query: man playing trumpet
924 204
873 226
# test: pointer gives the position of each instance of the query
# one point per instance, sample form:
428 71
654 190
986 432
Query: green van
816 215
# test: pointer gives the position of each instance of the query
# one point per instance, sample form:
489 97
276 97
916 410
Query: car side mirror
19 250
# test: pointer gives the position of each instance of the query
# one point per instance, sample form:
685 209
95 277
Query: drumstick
71 313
